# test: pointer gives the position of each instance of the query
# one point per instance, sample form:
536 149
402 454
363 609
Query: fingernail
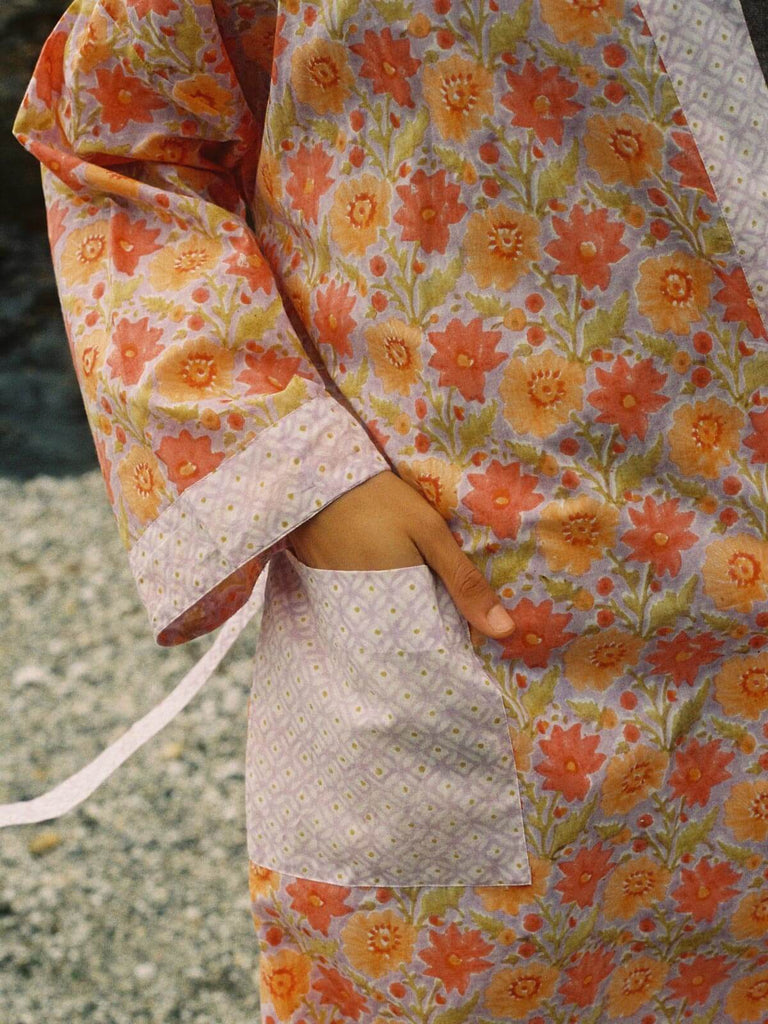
499 619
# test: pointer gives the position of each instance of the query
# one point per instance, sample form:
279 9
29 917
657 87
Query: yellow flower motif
633 886
741 686
623 148
747 999
284 980
513 992
202 94
261 880
672 291
630 777
633 984
92 47
321 76
573 534
377 942
499 245
580 21
175 266
540 392
395 350
746 810
458 93
197 369
360 208
750 919
142 482
510 898
89 357
735 571
85 251
594 661
705 437
437 480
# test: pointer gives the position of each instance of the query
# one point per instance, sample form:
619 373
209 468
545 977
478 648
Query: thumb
472 594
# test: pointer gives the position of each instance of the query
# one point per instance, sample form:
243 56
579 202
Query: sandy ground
133 908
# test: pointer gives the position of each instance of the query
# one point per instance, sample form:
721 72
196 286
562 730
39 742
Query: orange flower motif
395 350
430 206
673 291
454 956
510 898
513 992
633 984
437 480
377 942
269 177
499 246
683 656
388 63
333 320
570 759
660 534
583 874
458 93
634 885
540 392
740 306
360 207
142 482
284 981
89 357
595 660
188 459
698 769
124 98
175 266
696 978
741 686
735 571
195 370
318 902
500 495
134 344
746 810
85 251
538 632
338 991
581 21
309 180
129 241
585 977
747 999
268 372
588 243
631 777
321 75
49 73
758 441
705 888
261 880
750 919
628 394
574 533
202 95
705 437
623 148
465 353
541 100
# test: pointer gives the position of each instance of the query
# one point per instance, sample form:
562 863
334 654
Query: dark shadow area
42 423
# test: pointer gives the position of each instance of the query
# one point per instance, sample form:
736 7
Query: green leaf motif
675 603
557 175
587 710
509 29
638 468
567 58
453 160
571 827
489 925
755 370
729 730
577 936
510 562
669 101
434 289
719 623
475 430
614 199
282 118
694 489
717 237
606 325
352 385
254 324
409 137
488 306
661 347
394 10
439 900
323 252
325 130
538 697
609 829
559 590
459 1014
738 854
386 408
527 453
346 10
696 832
689 713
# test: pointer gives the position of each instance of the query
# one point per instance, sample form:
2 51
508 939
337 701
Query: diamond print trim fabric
378 747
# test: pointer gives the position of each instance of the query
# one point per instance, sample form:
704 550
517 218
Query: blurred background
132 909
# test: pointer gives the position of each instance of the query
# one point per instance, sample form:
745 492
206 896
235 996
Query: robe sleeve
216 432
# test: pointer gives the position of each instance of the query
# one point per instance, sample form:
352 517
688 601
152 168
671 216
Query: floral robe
514 250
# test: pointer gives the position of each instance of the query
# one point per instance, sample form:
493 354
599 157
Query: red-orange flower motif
454 956
124 98
133 344
465 352
268 372
588 243
660 535
586 976
336 990
759 440
388 63
309 179
143 7
246 261
583 874
683 656
318 902
129 240
541 100
693 173
188 458
705 888
740 306
49 73
499 495
699 767
628 395
429 207
696 978
538 632
570 759
332 318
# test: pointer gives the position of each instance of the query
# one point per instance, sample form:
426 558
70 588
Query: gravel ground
133 908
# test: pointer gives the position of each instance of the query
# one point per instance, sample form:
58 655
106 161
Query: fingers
471 592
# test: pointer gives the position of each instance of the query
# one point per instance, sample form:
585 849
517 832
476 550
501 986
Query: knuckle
469 581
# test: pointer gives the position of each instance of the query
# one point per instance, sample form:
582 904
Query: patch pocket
378 746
